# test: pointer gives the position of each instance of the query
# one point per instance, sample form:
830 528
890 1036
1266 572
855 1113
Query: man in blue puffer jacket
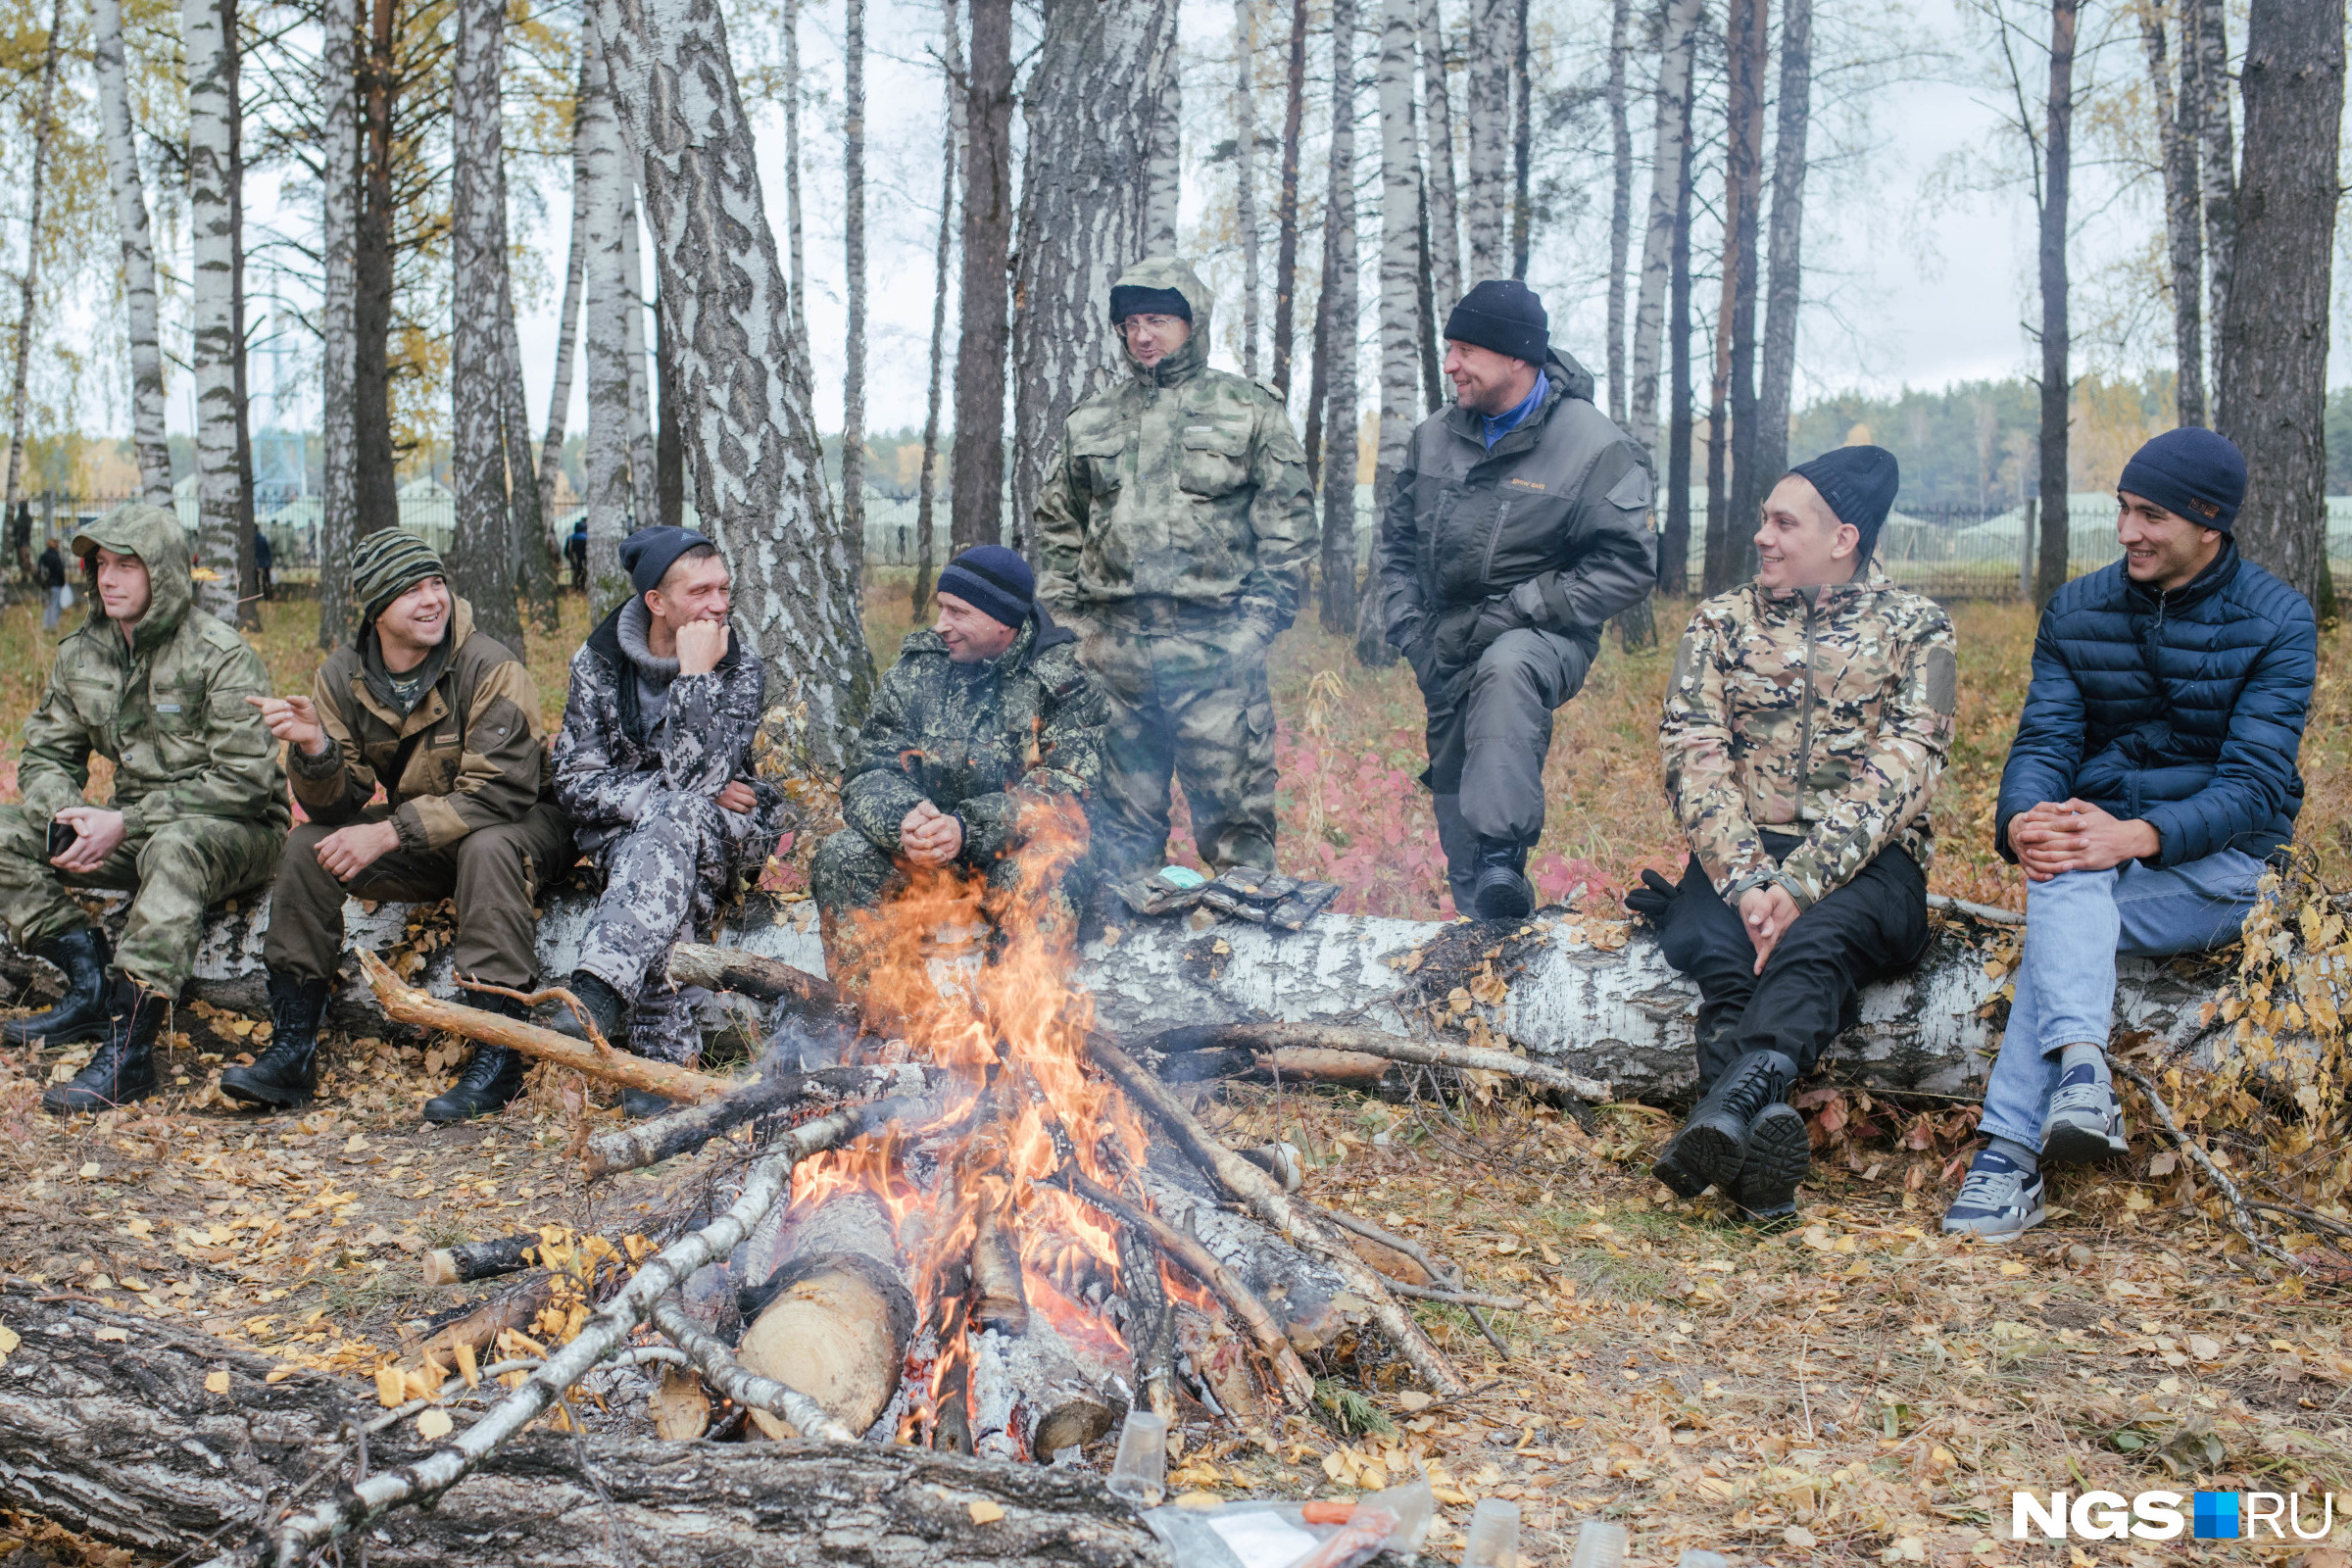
2152 775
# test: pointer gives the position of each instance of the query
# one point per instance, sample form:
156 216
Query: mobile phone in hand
61 837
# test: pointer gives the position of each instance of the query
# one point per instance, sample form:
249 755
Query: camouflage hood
154 535
1171 272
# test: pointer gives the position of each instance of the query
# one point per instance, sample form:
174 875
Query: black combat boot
1712 1146
492 1078
603 1003
1780 1152
83 1011
1501 891
287 1073
124 1069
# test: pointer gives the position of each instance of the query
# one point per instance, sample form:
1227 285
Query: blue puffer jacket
2182 708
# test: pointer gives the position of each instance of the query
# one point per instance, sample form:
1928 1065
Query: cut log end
837 1329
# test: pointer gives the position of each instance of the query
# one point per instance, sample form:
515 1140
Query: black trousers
1810 990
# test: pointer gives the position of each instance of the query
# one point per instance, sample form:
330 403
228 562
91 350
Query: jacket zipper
1503 510
1804 745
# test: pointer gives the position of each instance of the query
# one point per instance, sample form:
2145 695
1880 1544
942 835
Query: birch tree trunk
1674 540
375 494
1621 203
2217 173
1245 183
1341 435
575 280
1667 143
2273 361
1445 220
1785 291
952 148
606 195
1285 245
1523 144
852 183
248 578
1401 270
796 308
1746 500
669 431
1092 116
1486 88
44 132
212 331
2056 383
1167 156
147 437
481 558
643 505
2177 139
976 488
751 439
338 222
526 491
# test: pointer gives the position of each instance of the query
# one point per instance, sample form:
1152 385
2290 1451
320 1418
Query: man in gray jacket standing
1518 526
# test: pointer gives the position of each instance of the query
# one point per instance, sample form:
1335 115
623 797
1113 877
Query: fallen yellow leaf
216 1382
89 1170
113 1335
985 1512
434 1423
391 1386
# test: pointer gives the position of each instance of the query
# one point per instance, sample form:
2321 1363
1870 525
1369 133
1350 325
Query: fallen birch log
688 1128
751 974
1344 1039
410 1006
122 1439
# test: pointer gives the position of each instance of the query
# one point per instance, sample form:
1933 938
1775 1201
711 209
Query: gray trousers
663 879
1490 729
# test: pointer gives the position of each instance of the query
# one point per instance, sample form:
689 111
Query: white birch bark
338 341
1657 239
1166 173
607 458
643 508
951 154
211 333
1621 201
750 438
853 180
481 560
1341 433
1785 246
1486 84
1445 220
138 251
526 487
2217 174
575 279
44 133
1245 180
1092 112
1400 247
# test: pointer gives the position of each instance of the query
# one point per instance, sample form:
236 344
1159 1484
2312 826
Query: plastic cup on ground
1140 1471
1598 1545
1493 1538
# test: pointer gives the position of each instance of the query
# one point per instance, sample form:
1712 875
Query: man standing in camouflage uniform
1175 523
160 689
446 720
983 725
1808 721
654 765
1517 527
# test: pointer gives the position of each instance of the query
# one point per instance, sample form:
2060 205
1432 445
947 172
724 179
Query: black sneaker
86 1007
1711 1146
124 1069
287 1073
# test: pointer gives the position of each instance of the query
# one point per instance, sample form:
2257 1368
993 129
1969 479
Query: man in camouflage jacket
1807 720
1175 523
985 725
198 811
654 765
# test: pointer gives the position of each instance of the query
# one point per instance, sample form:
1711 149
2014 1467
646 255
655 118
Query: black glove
1495 617
1450 642
1422 655
1653 899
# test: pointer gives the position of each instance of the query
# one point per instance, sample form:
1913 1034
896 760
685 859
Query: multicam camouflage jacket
972 738
1825 715
608 760
1179 482
169 711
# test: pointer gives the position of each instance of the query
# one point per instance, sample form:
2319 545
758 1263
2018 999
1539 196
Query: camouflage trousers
663 878
848 874
173 874
1188 698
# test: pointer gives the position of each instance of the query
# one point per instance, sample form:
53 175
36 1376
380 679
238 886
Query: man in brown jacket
447 721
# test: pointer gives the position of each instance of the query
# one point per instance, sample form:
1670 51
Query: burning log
1327 1049
1264 1199
1030 1398
406 1005
690 1127
1000 1300
1151 1316
762 1395
838 1316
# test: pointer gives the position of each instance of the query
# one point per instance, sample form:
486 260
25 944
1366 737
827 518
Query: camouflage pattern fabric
1825 713
1188 701
1178 482
174 873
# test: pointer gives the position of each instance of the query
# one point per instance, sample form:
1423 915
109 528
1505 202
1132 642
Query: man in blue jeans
2152 776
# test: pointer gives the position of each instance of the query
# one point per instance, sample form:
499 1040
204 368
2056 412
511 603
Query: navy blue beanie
993 580
2192 473
1505 316
648 554
1859 484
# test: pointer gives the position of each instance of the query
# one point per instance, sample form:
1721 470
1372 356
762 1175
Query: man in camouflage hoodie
1807 720
986 721
198 813
1175 524
654 765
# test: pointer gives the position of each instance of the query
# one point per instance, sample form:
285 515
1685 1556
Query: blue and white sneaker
1997 1201
2084 1123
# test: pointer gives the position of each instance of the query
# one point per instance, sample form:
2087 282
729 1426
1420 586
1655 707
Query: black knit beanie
1859 484
1132 299
1505 316
993 580
648 554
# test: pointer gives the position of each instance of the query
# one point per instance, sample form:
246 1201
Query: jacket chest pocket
174 724
1097 458
1213 459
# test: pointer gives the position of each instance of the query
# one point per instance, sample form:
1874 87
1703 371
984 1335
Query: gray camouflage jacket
605 762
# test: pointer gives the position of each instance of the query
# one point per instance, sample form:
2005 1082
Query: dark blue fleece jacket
2183 708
